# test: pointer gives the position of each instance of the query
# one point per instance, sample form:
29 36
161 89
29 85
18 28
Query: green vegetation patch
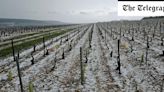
25 35
25 45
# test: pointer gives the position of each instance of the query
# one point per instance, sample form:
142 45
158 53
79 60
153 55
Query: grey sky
74 11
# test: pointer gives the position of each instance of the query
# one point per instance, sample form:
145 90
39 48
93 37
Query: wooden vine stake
111 53
17 63
55 60
61 41
105 36
44 46
54 63
147 49
63 56
81 67
86 56
118 58
32 60
120 33
162 41
133 34
19 74
12 43
34 48
18 54
90 39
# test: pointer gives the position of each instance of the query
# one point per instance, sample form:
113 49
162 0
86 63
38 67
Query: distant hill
156 17
27 22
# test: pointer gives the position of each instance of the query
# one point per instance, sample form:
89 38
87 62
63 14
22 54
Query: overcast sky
73 11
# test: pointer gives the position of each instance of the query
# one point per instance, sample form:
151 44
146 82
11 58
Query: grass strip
25 45
25 35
